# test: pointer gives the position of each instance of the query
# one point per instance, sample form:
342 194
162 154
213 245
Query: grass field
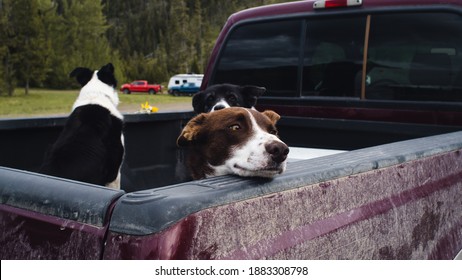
42 102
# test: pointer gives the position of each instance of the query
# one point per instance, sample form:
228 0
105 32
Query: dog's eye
232 98
234 127
273 131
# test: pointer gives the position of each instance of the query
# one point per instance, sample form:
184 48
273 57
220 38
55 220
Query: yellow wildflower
146 108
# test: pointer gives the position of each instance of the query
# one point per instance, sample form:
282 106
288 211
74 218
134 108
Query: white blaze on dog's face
234 141
263 154
221 104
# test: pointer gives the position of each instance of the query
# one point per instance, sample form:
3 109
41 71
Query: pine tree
23 47
28 46
150 39
197 35
178 39
6 78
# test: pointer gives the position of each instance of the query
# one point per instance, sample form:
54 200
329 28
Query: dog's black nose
277 150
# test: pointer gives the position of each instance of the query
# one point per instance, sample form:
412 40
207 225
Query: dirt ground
173 107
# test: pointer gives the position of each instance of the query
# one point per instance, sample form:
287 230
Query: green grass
42 102
157 99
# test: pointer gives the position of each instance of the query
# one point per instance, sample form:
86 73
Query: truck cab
363 61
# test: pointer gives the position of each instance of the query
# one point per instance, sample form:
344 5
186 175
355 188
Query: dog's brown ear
191 131
273 116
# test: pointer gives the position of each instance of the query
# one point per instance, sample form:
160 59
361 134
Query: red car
140 86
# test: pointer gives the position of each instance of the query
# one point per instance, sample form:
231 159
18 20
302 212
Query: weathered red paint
30 235
389 213
169 244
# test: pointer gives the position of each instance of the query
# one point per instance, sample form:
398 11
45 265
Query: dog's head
221 96
234 141
105 75
98 87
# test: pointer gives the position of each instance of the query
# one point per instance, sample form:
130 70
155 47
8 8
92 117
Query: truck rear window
265 54
410 56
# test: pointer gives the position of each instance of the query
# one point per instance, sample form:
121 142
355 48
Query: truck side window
419 61
263 54
333 57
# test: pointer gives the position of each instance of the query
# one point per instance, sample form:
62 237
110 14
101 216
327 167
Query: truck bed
393 201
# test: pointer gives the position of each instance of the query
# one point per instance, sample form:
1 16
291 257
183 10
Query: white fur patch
98 93
221 103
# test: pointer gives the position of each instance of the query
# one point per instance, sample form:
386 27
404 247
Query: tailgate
44 217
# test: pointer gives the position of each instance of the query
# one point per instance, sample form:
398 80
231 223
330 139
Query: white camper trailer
185 84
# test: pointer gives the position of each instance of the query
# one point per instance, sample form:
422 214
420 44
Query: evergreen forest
41 41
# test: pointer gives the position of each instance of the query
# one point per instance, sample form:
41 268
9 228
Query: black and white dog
222 96
91 146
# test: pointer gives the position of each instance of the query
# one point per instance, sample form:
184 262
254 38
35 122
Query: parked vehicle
391 189
140 86
184 84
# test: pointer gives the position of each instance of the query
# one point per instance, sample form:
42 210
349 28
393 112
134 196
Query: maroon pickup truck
140 86
371 104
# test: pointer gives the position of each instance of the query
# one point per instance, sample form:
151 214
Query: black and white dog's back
222 96
90 148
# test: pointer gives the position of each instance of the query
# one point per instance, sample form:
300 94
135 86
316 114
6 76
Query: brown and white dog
236 141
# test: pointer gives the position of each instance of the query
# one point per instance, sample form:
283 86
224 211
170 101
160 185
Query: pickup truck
374 172
140 86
